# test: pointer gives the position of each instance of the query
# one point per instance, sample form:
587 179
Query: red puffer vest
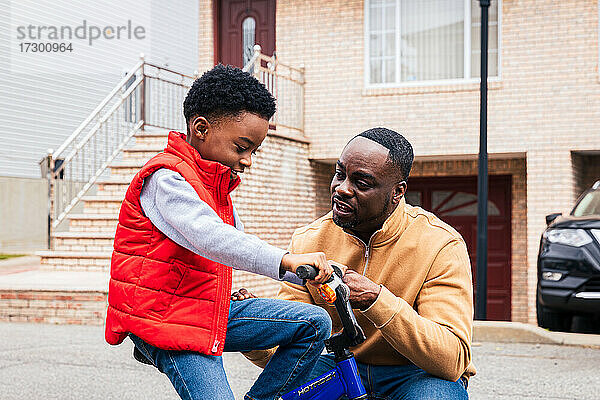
167 295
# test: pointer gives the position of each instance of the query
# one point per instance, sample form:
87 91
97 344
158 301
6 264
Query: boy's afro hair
226 91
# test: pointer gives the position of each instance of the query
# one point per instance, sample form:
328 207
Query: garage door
454 200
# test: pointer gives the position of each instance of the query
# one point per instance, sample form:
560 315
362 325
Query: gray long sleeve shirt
174 207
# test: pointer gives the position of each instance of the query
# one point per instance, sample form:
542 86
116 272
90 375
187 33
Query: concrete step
106 223
152 139
75 261
84 241
125 170
102 204
141 153
115 186
56 297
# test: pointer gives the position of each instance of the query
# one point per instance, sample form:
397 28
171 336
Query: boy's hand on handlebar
290 262
242 294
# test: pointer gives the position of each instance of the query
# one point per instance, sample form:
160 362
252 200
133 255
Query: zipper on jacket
367 248
215 347
367 253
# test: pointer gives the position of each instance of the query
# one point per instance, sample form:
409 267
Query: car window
588 205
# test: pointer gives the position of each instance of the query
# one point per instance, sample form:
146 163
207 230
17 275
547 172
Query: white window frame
467 52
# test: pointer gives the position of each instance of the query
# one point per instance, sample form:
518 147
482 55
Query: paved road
73 362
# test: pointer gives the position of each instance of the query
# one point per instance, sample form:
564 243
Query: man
408 273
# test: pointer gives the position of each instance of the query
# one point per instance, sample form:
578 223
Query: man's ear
199 128
399 191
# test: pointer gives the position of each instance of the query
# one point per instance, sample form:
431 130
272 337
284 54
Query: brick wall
53 307
206 53
323 175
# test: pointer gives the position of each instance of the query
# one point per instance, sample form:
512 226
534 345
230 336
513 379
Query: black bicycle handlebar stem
351 334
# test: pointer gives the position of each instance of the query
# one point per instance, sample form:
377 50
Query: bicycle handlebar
306 272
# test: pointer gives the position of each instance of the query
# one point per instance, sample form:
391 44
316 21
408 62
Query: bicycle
344 379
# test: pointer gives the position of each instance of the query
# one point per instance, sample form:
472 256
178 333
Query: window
427 40
248 41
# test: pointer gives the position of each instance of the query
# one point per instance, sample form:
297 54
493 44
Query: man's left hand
363 291
242 294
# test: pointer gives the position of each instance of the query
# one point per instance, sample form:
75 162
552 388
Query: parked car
569 264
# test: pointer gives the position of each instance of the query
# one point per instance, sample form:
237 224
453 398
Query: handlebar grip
307 272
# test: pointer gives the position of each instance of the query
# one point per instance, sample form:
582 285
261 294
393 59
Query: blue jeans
298 329
395 382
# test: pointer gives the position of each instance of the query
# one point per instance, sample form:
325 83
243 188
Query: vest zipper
224 284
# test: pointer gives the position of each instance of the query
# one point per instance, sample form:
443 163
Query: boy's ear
199 127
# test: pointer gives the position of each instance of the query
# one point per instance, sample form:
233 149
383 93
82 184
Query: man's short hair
401 152
226 91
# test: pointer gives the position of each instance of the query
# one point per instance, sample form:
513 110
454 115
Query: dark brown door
454 200
242 24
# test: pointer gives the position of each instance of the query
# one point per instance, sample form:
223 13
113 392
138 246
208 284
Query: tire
553 320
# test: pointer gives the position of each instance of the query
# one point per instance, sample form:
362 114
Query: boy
177 237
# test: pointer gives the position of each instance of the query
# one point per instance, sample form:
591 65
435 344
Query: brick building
410 65
376 63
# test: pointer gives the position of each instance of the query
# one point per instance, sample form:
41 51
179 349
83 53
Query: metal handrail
286 84
96 127
169 70
250 65
95 177
148 95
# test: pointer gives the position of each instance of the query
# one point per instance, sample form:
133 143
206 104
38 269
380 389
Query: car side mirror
551 217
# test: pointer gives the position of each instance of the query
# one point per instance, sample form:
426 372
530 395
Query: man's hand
290 262
242 294
363 291
342 267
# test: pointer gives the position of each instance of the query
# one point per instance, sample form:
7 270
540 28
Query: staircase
88 177
71 284
88 244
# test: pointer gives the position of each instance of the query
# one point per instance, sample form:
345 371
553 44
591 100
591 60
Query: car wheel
553 320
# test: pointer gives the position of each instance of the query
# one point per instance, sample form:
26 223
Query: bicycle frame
344 379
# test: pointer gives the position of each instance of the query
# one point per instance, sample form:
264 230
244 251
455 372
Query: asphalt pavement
73 362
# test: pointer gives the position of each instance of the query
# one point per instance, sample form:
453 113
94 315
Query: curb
518 332
20 261
55 281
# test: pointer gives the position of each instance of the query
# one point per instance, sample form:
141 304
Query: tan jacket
424 313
